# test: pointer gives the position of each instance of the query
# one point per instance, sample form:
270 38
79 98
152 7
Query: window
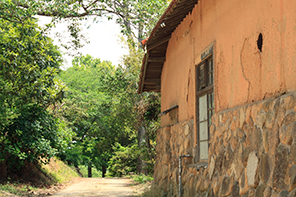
205 105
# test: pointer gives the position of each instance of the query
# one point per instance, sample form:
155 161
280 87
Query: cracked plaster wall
243 74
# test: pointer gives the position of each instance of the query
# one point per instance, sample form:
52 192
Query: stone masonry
252 152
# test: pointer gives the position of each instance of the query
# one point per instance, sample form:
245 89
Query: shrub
84 170
33 137
142 178
123 161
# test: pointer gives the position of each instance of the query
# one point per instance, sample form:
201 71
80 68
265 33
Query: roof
157 43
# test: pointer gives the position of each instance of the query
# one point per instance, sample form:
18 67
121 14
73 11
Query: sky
103 37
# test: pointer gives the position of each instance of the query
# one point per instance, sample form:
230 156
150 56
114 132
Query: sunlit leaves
29 64
136 17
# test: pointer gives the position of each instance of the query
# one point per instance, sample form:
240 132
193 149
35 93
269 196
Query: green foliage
15 188
28 86
123 161
33 136
103 108
145 108
136 17
29 64
28 138
142 178
89 112
139 15
59 171
95 172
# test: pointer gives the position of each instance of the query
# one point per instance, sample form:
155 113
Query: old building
226 70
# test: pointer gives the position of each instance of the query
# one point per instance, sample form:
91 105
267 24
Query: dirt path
99 187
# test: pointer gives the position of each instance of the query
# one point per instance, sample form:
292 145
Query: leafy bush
142 178
123 161
28 86
34 136
84 171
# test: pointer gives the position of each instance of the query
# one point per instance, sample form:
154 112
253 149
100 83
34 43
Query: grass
153 192
142 184
95 173
37 179
59 171
142 178
16 188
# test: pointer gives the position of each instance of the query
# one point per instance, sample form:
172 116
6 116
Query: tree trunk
89 170
149 147
78 170
3 167
3 170
104 170
141 141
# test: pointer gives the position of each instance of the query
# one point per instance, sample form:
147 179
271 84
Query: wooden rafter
158 42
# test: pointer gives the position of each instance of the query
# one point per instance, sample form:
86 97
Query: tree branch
11 20
86 130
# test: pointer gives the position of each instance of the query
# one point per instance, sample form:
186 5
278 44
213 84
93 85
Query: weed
142 178
59 171
16 188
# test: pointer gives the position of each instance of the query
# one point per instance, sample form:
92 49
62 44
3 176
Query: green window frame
205 105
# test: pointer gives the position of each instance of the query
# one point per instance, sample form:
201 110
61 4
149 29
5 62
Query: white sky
104 38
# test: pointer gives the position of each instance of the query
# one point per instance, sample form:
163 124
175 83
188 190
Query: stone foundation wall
252 153
172 142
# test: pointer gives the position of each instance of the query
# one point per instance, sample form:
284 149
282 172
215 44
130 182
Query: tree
103 108
101 104
138 112
28 87
90 112
136 17
146 107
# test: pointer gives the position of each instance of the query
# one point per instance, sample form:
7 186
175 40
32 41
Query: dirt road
99 187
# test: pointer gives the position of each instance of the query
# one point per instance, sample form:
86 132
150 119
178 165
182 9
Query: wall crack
243 70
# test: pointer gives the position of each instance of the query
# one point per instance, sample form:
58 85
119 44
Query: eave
156 45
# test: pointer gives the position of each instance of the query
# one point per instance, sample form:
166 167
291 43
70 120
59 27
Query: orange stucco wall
242 73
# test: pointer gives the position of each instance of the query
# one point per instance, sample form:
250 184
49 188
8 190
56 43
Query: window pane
202 75
211 76
204 152
211 64
211 112
203 108
205 103
210 79
213 100
203 130
209 100
210 73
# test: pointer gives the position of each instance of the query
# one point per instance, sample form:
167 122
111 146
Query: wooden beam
155 88
144 73
152 81
154 70
155 66
152 90
156 59
158 42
